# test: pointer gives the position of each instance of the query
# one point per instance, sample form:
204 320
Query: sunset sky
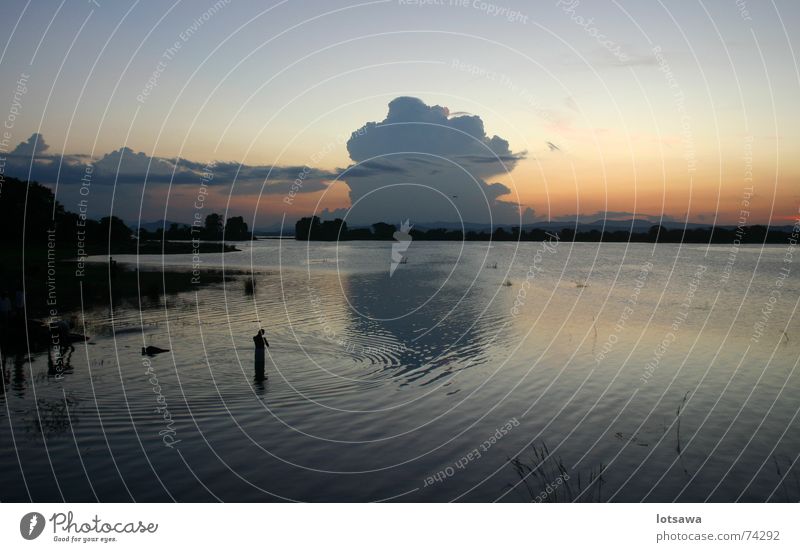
653 108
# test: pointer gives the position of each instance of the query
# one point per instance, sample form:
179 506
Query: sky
469 111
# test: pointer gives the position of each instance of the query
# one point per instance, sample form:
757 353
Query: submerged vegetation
543 478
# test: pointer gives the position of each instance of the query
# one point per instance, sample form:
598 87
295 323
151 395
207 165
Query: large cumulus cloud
423 164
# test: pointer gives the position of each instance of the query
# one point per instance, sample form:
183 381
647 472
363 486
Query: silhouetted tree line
31 216
235 229
313 229
38 218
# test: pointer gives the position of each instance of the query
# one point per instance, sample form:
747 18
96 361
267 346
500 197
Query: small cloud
33 147
370 168
498 189
569 101
482 159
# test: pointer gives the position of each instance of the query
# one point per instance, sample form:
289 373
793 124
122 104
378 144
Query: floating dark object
150 351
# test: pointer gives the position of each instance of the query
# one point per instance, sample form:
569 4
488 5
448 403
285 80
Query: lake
570 372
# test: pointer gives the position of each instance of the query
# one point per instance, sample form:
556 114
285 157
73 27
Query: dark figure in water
150 350
261 343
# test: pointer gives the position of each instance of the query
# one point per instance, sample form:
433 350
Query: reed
541 470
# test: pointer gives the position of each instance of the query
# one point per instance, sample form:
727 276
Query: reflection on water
603 372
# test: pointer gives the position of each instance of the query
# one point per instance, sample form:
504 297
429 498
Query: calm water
641 372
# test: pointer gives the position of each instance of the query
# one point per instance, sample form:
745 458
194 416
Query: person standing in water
261 343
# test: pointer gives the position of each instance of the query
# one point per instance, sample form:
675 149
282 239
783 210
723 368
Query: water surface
641 372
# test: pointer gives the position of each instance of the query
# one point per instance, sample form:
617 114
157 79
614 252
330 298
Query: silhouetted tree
236 229
112 229
179 232
35 210
656 233
331 230
501 235
383 231
306 227
213 227
567 234
360 234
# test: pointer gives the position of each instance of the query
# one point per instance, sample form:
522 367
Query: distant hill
634 225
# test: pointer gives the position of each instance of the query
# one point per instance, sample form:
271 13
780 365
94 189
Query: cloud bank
116 181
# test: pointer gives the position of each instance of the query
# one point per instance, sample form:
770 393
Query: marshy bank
58 292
